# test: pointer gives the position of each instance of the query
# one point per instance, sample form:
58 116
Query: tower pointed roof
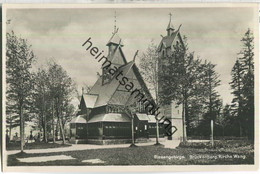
115 39
170 26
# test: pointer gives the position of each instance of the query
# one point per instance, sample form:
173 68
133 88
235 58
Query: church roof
151 119
170 26
118 56
142 117
168 40
90 100
115 39
78 119
145 117
106 91
110 117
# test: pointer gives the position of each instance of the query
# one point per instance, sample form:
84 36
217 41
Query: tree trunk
187 122
212 133
157 99
58 111
61 127
223 131
53 126
240 129
45 129
183 123
10 131
133 135
62 131
21 128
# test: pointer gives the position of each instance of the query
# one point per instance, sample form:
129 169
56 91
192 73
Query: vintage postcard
130 87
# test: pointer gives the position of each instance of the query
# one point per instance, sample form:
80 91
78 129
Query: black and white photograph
171 86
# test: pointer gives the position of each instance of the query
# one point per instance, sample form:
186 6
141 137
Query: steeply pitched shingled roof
78 119
90 100
106 91
170 26
115 39
168 40
110 117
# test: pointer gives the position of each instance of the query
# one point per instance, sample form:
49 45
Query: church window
106 77
163 53
149 109
80 127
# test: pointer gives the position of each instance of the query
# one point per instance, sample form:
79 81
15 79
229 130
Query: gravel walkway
76 147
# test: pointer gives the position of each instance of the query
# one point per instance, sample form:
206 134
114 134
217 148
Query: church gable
118 57
111 89
124 96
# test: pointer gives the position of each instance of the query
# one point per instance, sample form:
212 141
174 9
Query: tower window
163 53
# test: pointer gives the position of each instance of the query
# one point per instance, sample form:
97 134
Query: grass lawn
34 145
149 155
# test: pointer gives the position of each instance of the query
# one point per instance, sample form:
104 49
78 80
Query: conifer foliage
19 59
242 85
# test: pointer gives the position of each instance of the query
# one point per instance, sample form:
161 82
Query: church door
142 129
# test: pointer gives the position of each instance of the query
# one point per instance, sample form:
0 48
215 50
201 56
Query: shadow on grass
35 145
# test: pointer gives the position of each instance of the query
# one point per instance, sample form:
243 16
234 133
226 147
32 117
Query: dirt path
77 147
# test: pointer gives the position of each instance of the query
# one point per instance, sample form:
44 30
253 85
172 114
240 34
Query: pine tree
61 89
42 102
223 119
212 102
182 81
149 70
243 86
19 77
212 81
247 61
237 85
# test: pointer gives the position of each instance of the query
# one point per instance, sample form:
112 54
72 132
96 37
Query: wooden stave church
88 110
102 107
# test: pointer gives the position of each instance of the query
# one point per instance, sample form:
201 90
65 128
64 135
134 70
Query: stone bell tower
172 111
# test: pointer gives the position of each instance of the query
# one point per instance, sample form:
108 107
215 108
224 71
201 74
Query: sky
214 35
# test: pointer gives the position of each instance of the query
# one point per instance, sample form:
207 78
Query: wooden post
211 137
133 138
157 132
133 135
